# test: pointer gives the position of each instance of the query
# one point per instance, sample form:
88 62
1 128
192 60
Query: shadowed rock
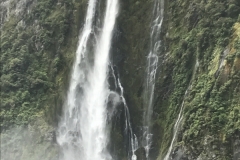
141 154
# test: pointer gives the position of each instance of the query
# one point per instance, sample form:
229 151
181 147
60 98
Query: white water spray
82 131
180 115
152 60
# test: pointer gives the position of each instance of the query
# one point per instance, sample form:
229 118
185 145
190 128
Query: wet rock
236 153
141 154
179 154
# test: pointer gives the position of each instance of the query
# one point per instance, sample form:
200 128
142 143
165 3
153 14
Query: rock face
141 154
17 9
190 37
236 148
38 42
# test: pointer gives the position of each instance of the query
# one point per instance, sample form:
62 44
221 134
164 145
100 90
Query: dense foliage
203 46
33 53
200 54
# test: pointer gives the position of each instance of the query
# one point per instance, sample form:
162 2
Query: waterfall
180 115
82 131
176 125
131 137
128 129
152 65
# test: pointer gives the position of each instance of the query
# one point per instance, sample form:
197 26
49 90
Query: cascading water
180 115
152 62
128 129
130 136
82 130
176 125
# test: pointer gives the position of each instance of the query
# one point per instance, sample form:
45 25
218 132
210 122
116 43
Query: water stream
152 65
180 115
82 132
128 128
128 131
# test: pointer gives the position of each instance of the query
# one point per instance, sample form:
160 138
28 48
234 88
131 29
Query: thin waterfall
132 136
180 115
82 132
152 65
176 125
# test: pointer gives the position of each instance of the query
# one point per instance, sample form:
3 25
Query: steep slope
204 34
38 41
200 55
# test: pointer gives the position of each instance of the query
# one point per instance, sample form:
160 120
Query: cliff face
202 51
199 71
200 54
38 42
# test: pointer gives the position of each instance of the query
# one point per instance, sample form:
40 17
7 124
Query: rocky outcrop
236 148
16 9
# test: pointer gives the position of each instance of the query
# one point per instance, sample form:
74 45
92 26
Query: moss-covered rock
38 43
205 31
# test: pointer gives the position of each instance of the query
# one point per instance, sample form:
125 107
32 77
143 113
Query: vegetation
203 32
206 32
34 52
37 51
